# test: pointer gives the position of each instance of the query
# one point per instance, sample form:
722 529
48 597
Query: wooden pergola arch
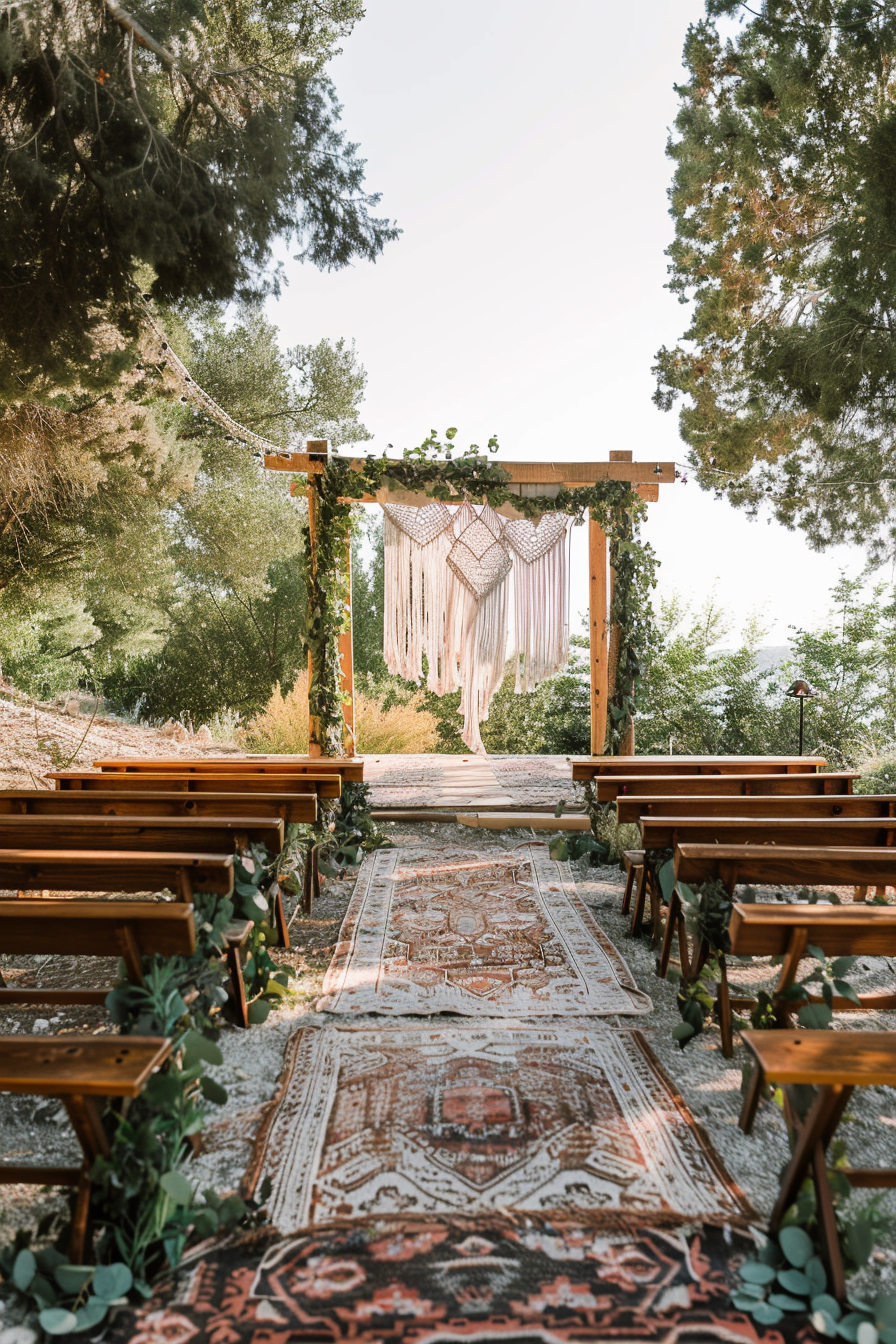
526 479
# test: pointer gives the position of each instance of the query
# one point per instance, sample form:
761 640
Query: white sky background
521 147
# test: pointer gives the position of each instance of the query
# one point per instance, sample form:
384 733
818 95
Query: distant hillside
767 658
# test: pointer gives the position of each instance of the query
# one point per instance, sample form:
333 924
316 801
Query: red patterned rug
484 933
446 1282
460 1118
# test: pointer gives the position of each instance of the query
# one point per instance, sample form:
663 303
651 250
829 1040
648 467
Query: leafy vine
434 468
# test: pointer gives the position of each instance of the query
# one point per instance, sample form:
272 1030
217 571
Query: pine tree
176 143
784 202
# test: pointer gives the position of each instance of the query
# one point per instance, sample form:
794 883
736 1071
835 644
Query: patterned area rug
535 781
443 1283
451 1119
484 933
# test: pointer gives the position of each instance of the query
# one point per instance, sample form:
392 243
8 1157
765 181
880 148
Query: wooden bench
791 832
665 832
631 810
786 866
731 864
127 929
115 871
593 767
324 786
611 787
83 1072
835 1063
344 767
181 835
839 930
296 807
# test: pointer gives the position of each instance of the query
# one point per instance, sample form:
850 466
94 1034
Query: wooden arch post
525 478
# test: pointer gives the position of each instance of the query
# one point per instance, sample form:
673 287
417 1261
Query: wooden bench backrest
777 865
800 805
177 835
114 871
95 928
826 832
94 1066
643 786
345 767
325 786
840 930
298 807
594 767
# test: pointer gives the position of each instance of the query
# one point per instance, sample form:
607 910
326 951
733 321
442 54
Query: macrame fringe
417 581
541 615
431 612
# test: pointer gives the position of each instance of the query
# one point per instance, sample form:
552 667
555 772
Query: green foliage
175 587
783 200
712 701
789 1277
576 845
188 146
880 778
707 913
68 1299
554 719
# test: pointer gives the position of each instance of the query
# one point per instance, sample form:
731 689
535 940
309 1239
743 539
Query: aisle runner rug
442 1283
487 934
456 1118
535 781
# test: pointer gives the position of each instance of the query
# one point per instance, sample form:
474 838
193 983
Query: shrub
382 728
398 728
282 726
878 776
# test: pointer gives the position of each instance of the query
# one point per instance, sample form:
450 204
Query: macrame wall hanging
417 543
541 597
448 585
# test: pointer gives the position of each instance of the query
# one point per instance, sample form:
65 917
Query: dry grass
282 726
399 730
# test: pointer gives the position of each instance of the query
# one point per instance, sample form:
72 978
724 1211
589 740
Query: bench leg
752 1098
640 899
280 919
77 1245
307 882
86 1116
817 1128
629 886
827 1222
796 946
237 987
723 1010
656 908
672 917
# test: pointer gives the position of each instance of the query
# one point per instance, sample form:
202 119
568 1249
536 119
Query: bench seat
835 1063
82 1072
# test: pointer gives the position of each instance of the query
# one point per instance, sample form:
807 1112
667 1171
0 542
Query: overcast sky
521 148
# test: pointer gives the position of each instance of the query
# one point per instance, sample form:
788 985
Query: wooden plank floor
467 782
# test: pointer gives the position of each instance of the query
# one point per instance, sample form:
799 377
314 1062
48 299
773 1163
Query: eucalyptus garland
433 468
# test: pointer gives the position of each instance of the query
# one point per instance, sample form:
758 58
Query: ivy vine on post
435 468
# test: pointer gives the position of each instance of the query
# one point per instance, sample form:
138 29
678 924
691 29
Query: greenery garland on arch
433 468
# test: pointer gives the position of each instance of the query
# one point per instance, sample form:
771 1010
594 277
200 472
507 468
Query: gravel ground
709 1084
